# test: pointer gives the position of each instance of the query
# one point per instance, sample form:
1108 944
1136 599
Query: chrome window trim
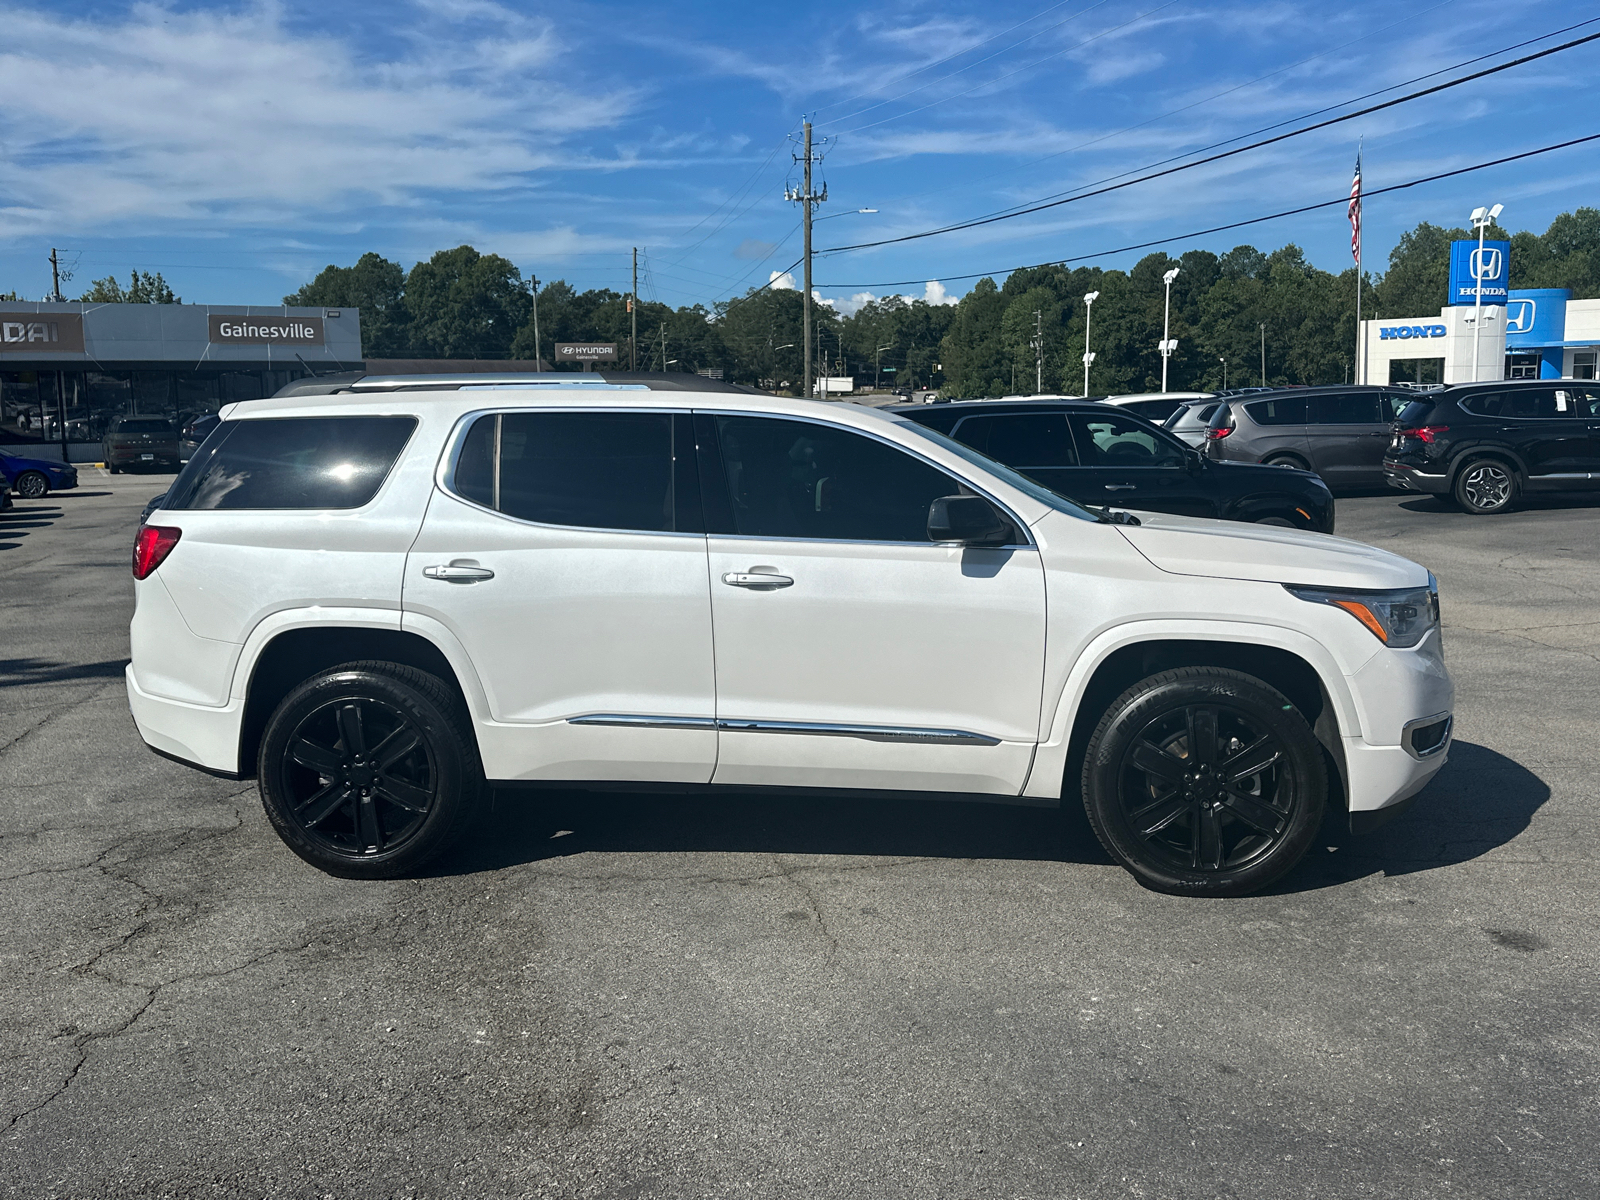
871 733
444 474
1422 722
887 441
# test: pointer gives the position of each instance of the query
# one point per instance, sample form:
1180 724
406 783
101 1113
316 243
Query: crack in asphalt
56 714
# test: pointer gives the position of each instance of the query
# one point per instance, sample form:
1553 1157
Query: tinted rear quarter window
1523 404
1021 440
1290 410
292 462
1344 408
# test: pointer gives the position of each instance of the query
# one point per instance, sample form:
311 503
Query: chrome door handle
749 579
458 574
1121 487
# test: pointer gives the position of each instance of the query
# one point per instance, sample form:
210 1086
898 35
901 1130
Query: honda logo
1486 263
1519 315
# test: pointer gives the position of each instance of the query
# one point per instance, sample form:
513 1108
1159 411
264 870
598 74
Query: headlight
1398 618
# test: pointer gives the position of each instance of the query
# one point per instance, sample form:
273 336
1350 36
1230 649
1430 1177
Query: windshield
1000 471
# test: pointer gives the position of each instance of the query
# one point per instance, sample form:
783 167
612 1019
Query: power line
1178 237
1022 212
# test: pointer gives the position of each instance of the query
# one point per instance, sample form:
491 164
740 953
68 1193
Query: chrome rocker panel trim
871 733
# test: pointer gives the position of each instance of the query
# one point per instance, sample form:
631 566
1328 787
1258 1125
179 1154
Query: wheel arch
293 655
1492 450
1303 672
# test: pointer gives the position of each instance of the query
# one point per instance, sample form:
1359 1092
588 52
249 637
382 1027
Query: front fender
1050 761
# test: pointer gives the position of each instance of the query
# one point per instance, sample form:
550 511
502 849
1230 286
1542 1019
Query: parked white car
377 599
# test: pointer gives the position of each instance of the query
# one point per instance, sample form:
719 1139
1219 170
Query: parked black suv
1485 443
1100 455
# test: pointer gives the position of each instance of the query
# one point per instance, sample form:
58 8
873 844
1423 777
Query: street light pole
877 365
1482 218
1263 325
1088 355
533 281
1167 344
1224 373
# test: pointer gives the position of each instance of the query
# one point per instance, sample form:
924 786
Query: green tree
142 289
463 304
376 287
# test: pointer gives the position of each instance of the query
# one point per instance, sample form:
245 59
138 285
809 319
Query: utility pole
1038 352
538 357
55 277
633 312
807 199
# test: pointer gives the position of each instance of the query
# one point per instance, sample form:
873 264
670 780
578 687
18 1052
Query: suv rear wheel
1204 782
1285 460
369 770
1486 486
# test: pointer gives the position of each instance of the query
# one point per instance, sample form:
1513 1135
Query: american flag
1355 213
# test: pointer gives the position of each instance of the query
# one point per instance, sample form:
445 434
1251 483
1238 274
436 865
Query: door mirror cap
967 521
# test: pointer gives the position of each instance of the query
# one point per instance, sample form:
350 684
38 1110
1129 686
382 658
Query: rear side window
1118 441
1022 441
292 462
1346 408
1290 410
1523 404
591 470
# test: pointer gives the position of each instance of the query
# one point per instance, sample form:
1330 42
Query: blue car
32 478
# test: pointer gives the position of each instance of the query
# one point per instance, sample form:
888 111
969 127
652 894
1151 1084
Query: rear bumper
133 458
201 736
1411 479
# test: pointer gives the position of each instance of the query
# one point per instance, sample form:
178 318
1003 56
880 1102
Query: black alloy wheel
32 485
1486 486
1204 781
368 770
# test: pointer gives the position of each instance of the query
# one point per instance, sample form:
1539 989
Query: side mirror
968 520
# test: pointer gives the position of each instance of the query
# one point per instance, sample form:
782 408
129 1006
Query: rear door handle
458 574
1121 487
751 579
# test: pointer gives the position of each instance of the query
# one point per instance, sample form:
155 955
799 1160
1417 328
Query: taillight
1216 435
1428 433
151 548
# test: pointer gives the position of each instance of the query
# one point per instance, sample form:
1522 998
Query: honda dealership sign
1479 272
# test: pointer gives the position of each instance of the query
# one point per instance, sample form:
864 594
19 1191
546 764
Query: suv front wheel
369 770
1204 782
1486 486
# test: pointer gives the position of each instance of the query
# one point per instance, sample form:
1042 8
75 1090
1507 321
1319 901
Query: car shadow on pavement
15 671
1479 801
530 825
22 518
1537 502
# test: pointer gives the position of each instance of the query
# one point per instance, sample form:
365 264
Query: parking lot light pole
1088 355
877 364
1224 372
1482 218
1167 344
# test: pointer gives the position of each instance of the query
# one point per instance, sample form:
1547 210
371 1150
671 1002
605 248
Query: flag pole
1361 341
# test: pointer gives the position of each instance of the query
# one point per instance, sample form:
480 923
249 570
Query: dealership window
1522 366
1416 370
1583 364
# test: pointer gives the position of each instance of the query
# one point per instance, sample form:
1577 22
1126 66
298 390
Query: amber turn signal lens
1363 614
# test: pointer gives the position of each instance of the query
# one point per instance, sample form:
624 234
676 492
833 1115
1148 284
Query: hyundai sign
1479 272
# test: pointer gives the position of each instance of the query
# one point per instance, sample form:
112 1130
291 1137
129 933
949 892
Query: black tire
31 485
370 770
113 469
1285 460
1486 486
1226 825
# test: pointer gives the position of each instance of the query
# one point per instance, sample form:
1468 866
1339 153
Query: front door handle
754 579
456 573
1121 487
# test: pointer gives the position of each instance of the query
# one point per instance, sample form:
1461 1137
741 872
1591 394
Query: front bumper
1412 479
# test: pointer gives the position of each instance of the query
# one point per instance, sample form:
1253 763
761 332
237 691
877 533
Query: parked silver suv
380 599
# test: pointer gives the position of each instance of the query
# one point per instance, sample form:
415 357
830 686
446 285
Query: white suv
378 599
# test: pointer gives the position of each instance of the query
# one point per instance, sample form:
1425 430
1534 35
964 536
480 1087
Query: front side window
1022 440
1344 408
1117 441
292 462
593 470
1291 410
795 479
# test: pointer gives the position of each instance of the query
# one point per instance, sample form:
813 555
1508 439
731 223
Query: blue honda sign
1475 272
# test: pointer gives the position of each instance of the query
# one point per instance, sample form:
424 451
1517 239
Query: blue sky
238 148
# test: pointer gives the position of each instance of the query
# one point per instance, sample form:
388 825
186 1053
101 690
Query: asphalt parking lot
641 995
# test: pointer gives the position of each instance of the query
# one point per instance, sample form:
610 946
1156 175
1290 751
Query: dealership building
68 370
1488 331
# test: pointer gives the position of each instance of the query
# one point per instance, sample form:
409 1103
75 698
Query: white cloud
782 281
933 292
232 116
